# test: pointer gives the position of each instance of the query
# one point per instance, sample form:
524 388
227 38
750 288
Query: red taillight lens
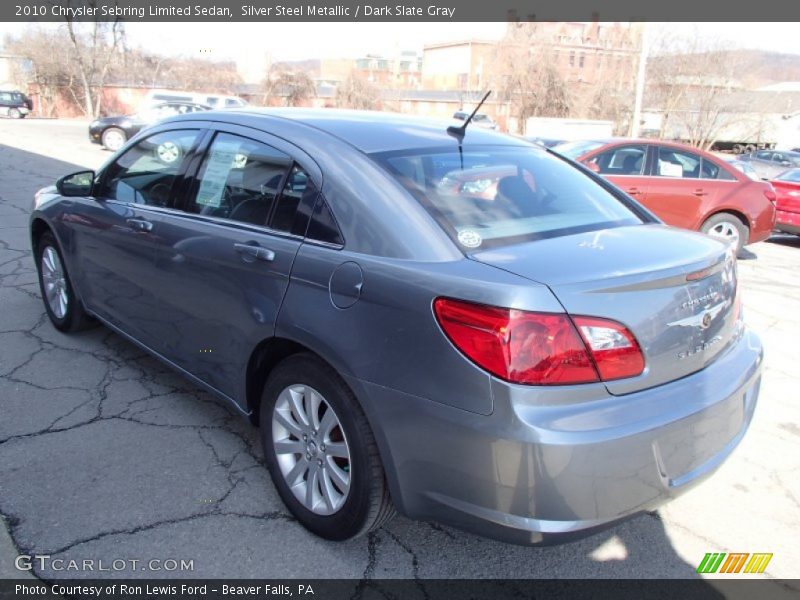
770 195
538 348
615 351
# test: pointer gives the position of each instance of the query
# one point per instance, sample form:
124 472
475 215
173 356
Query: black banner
405 11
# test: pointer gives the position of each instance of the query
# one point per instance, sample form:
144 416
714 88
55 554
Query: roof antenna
459 130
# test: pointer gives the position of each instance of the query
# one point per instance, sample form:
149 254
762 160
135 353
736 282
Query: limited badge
469 238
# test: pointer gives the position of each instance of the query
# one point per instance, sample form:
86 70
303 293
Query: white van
213 100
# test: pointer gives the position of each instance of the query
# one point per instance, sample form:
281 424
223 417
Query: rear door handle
251 252
140 224
700 192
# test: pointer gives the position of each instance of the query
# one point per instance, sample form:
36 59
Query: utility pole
640 75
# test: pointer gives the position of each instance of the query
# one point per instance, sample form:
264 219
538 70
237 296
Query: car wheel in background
113 138
168 152
62 305
14 113
321 452
727 227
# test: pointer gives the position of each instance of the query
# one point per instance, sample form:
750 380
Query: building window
581 60
572 59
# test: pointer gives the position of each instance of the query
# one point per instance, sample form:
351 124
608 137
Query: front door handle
251 252
140 224
634 191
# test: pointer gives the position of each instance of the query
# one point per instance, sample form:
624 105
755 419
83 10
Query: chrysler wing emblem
702 320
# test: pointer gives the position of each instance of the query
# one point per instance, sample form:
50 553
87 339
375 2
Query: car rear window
493 196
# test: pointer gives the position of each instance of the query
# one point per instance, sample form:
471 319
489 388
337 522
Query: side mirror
76 184
786 163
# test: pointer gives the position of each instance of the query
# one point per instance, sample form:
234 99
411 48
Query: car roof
372 131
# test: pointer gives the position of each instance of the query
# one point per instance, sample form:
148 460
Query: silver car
454 324
770 163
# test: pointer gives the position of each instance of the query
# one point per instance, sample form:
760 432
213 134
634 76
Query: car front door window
622 160
145 173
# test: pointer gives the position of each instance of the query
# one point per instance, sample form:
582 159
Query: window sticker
222 159
668 169
470 238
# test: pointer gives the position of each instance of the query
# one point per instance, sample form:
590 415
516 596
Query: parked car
770 163
744 167
529 365
480 119
113 132
787 189
155 97
15 104
684 186
544 141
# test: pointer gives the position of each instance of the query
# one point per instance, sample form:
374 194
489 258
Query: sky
249 43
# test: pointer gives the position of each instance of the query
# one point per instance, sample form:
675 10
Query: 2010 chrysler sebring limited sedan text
455 323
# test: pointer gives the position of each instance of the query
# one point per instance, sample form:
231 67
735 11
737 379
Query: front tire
60 302
14 113
727 227
321 452
113 138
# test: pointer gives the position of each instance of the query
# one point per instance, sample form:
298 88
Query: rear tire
727 227
294 412
62 305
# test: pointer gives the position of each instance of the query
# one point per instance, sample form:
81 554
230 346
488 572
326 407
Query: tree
693 83
295 87
355 92
526 74
94 48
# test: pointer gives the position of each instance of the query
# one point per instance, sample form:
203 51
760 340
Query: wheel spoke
288 446
294 476
296 403
338 475
337 449
288 423
329 493
312 404
327 424
311 485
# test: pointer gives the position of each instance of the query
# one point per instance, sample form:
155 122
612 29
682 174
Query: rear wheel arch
730 211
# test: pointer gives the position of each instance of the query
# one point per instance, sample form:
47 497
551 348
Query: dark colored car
467 328
684 186
770 163
787 189
15 104
113 132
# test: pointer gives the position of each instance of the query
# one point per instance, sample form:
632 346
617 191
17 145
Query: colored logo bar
735 562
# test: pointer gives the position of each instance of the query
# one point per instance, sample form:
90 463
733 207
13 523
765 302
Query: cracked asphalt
107 454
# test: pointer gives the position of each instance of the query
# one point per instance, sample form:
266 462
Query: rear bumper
787 221
545 467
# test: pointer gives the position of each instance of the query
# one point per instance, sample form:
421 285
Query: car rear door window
323 227
146 172
622 160
239 180
672 162
299 191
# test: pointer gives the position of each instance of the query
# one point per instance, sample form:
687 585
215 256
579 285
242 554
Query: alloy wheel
55 283
311 449
725 231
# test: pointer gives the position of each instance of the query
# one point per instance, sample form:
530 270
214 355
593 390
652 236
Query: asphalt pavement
107 454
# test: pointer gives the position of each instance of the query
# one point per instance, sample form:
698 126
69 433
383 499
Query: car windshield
575 149
493 196
792 175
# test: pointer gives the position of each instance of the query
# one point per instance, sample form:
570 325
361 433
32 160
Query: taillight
770 195
539 348
615 351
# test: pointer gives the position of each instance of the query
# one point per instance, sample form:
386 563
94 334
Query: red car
787 188
684 186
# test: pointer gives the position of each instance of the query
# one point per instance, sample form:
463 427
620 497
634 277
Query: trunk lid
675 290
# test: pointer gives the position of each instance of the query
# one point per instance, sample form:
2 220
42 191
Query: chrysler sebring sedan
446 322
